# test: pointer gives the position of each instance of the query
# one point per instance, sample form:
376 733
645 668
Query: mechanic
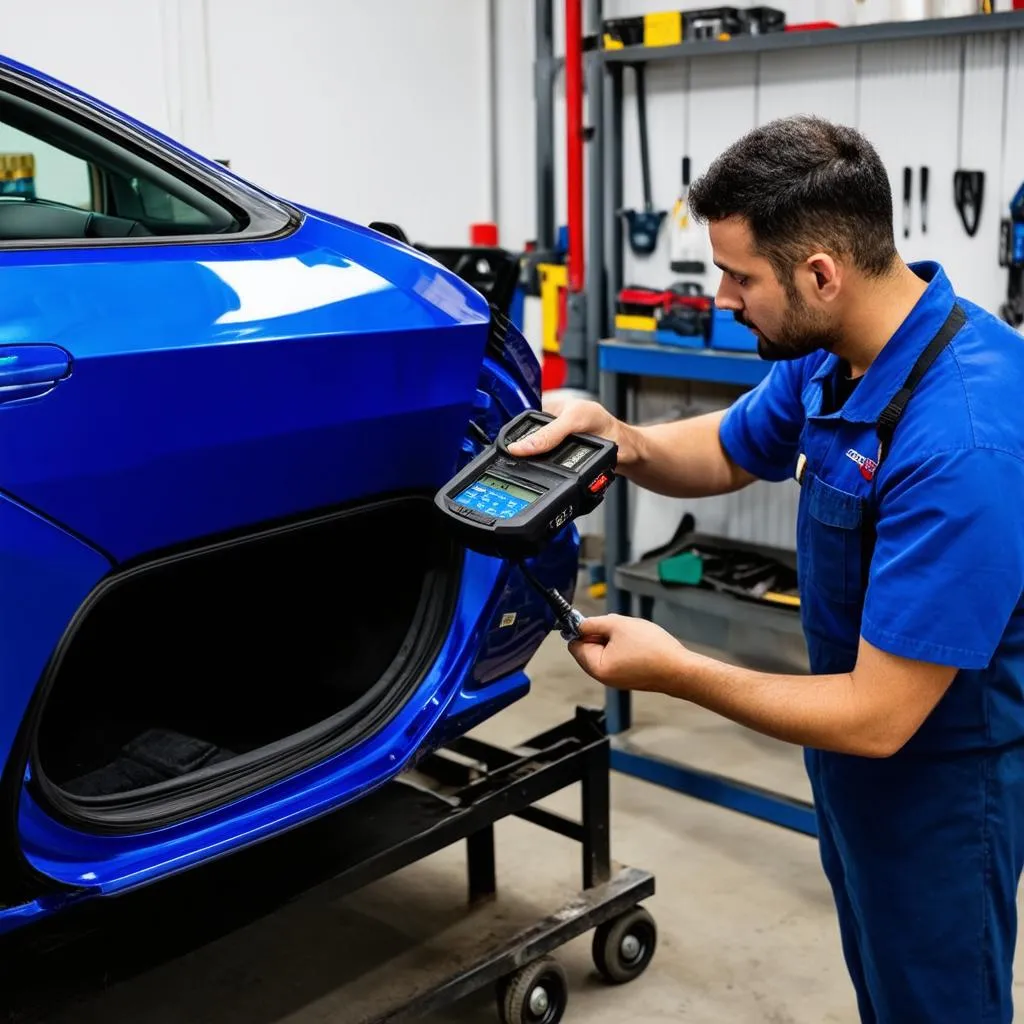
899 409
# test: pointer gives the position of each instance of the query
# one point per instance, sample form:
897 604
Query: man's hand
683 459
577 416
630 654
870 712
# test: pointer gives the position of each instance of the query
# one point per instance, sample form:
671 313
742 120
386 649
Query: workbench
635 589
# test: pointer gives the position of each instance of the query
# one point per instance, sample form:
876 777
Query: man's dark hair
803 184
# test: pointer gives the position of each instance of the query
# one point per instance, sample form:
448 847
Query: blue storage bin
728 334
679 340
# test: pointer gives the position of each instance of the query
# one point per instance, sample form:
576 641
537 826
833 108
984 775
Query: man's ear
826 275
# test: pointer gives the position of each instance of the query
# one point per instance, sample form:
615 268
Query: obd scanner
510 507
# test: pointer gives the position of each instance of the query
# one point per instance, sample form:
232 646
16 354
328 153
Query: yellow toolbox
663 28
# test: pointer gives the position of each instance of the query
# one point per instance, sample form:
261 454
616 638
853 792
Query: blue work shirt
946 575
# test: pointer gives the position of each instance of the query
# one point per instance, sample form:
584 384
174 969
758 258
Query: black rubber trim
176 800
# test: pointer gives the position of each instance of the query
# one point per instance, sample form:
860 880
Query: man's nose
726 297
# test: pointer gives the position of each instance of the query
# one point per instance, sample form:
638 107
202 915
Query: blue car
228 604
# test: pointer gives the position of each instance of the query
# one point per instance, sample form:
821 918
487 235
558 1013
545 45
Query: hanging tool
924 200
686 249
908 180
968 193
1011 256
644 225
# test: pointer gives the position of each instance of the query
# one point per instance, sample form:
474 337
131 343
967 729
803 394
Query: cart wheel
535 994
624 946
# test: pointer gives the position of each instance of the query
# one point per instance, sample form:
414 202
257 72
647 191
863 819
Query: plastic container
633 327
712 22
729 335
624 31
17 175
484 233
762 20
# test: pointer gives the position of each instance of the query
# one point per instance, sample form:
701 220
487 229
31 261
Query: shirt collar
885 376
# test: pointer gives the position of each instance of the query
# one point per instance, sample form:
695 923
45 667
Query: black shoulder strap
889 419
892 413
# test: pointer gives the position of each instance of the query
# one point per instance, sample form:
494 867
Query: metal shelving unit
604 87
641 580
616 367
708 365
604 173
882 32
697 615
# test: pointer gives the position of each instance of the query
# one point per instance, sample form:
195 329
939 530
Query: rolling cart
481 784
458 793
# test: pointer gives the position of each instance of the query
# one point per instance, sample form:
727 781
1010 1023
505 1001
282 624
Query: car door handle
27 371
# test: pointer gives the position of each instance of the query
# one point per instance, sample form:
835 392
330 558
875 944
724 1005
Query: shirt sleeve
761 430
948 567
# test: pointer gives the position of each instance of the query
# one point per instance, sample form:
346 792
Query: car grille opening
190 681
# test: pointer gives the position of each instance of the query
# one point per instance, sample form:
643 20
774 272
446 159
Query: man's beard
801 333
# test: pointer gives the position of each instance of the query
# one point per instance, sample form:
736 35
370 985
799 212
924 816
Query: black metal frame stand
458 793
482 784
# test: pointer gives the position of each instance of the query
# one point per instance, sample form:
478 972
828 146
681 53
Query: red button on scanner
598 484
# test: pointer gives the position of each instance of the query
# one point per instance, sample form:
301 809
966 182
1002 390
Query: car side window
61 181
33 169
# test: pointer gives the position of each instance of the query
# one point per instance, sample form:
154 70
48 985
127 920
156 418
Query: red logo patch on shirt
867 466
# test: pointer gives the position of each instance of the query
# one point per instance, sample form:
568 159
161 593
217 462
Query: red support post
574 139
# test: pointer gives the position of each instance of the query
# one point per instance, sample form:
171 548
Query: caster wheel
624 946
536 994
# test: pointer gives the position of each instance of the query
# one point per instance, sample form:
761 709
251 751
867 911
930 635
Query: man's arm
871 712
948 515
699 456
706 469
683 459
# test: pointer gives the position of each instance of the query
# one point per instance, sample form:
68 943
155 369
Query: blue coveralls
921 553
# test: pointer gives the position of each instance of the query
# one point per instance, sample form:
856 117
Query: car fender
47 573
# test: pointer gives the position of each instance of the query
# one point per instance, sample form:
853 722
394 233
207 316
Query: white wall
110 48
378 112
370 110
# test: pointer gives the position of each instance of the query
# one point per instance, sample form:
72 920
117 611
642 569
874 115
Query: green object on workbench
685 568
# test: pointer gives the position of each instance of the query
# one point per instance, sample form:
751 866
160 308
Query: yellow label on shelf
625 322
611 43
663 29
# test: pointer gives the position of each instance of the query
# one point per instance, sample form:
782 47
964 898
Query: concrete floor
746 930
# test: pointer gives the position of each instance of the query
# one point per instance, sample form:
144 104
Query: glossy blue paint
471 707
182 390
507 647
46 575
29 371
224 387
